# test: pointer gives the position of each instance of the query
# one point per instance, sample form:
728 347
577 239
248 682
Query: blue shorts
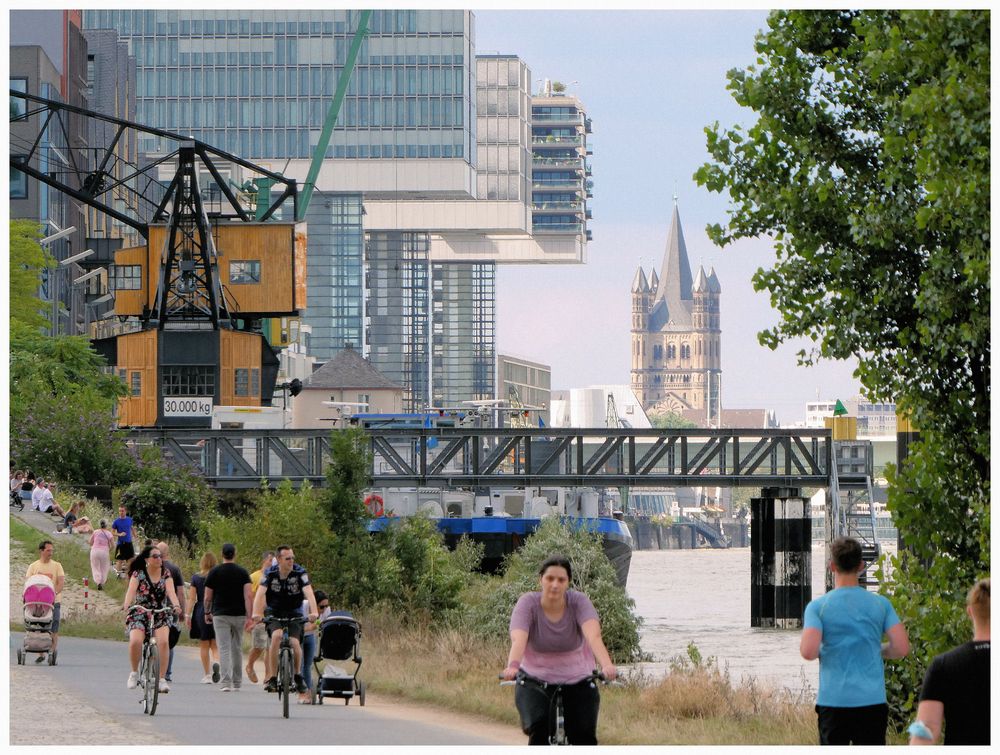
55 617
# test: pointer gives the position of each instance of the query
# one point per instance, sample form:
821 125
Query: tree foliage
61 403
671 421
869 163
27 260
166 499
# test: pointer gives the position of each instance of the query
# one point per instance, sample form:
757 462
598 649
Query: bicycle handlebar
594 676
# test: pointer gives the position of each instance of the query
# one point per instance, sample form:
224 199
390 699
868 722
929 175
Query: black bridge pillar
780 558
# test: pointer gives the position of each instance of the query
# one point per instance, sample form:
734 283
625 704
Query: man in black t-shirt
178 579
956 689
227 609
283 588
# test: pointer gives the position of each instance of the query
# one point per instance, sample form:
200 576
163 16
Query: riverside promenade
87 688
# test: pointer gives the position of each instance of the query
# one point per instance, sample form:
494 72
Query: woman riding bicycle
149 587
555 636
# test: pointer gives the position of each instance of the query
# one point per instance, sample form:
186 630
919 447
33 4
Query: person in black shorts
956 689
125 550
282 589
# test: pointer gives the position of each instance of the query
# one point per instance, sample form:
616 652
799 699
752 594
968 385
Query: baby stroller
339 638
39 598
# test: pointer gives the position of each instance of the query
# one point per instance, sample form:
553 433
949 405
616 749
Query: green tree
27 260
869 163
167 499
671 421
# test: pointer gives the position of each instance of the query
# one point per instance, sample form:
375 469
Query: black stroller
339 640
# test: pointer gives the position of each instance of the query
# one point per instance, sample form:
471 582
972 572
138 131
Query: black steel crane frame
94 185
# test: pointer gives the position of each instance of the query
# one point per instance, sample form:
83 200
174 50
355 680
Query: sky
651 81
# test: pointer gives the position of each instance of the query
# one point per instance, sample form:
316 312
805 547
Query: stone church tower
676 336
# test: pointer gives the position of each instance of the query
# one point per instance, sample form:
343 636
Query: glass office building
258 83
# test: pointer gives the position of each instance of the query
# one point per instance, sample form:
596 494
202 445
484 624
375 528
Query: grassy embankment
447 668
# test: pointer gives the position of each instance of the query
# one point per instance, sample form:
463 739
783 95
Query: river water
703 596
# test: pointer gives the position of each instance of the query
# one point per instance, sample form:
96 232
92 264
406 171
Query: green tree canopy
27 260
869 164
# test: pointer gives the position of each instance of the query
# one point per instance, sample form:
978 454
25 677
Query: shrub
167 498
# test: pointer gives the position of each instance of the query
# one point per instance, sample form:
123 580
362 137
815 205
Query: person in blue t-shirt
844 629
125 550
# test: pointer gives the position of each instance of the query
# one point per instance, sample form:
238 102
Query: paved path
91 675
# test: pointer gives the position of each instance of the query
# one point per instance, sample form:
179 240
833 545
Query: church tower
677 337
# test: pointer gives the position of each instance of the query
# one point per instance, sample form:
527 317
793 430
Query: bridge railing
474 457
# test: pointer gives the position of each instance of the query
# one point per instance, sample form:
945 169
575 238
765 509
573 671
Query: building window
247 382
18 105
18 180
188 380
244 271
126 278
136 383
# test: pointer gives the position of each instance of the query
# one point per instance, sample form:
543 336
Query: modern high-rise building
427 174
561 182
677 336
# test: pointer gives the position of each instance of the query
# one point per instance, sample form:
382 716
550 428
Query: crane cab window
244 271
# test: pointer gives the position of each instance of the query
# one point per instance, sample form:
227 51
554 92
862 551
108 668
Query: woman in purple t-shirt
555 637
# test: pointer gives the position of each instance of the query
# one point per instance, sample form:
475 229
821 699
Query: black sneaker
215 673
271 685
300 684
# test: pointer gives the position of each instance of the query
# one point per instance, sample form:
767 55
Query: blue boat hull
503 535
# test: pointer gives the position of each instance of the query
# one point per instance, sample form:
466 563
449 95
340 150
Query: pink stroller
39 598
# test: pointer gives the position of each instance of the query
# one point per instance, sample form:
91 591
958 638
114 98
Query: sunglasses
155 555
323 606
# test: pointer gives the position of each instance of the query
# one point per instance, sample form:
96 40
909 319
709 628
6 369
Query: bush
491 604
284 516
167 498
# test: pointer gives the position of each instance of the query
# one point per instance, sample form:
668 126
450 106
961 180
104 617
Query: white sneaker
164 687
227 689
133 680
206 679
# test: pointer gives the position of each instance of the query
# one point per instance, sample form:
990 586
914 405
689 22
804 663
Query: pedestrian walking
100 554
124 550
53 570
178 580
956 689
844 629
198 628
228 604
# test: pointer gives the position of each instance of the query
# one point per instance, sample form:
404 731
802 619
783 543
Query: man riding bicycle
282 588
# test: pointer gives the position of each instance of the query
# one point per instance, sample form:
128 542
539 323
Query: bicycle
149 663
286 672
554 692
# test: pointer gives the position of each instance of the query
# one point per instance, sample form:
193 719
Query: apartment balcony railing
556 163
565 184
547 119
556 141
557 206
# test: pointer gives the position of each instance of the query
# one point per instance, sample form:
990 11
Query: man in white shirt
42 499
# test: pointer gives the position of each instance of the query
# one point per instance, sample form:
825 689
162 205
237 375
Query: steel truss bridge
512 457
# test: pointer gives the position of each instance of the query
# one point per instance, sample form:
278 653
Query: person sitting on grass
73 522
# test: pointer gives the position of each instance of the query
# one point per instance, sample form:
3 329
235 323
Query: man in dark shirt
956 689
283 588
178 580
227 608
125 550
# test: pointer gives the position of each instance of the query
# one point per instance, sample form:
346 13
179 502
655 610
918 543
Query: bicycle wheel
285 679
151 679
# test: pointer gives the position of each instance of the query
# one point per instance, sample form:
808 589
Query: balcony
549 207
562 184
551 121
562 228
556 163
557 141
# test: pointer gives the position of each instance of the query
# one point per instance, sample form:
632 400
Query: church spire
673 295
